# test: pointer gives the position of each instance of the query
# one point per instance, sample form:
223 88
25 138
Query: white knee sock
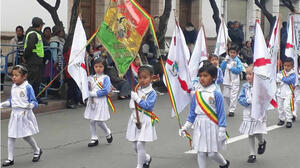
251 139
93 129
201 157
142 156
33 144
104 127
10 148
217 157
260 138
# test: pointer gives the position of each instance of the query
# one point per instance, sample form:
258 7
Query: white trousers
251 139
202 156
231 95
102 125
11 146
284 109
142 156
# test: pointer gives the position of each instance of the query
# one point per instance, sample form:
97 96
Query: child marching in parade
97 106
22 122
141 128
232 68
214 59
207 115
286 80
250 126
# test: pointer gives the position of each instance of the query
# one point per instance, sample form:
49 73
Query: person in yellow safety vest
34 54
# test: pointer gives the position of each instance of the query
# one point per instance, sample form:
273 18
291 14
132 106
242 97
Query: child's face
249 76
232 53
144 78
99 68
206 79
287 66
17 77
136 62
214 61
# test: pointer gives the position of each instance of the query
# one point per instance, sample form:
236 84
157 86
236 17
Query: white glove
4 104
227 58
279 77
93 94
248 96
222 134
131 104
30 106
181 131
135 97
229 66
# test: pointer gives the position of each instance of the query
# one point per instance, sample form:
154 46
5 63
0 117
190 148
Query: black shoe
261 148
280 123
288 125
7 163
109 138
94 142
71 106
227 164
231 114
251 159
36 157
147 164
294 118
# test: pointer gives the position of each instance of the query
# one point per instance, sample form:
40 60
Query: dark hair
101 60
47 28
212 56
209 68
20 27
289 59
147 68
21 69
234 47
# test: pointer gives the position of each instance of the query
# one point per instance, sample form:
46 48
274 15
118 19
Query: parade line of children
207 114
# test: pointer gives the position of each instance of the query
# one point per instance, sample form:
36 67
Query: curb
42 108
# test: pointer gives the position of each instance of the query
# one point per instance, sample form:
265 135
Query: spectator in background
46 35
283 39
149 49
34 55
236 34
246 53
17 40
190 35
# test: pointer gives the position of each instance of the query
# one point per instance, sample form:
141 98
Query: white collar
210 88
23 85
146 89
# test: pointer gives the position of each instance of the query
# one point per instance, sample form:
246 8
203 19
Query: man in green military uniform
34 54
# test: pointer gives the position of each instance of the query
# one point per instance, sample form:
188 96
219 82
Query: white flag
222 38
262 92
177 71
199 54
76 66
273 49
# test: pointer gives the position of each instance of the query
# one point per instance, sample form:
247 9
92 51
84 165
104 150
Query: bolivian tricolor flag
121 33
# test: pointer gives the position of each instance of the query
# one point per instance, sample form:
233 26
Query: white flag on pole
178 72
222 38
199 53
76 66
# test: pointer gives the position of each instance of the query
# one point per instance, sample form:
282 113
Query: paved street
64 136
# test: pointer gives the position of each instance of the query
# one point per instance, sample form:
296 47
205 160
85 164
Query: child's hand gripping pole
134 96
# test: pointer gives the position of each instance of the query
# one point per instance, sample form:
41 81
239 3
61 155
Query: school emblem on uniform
211 101
22 94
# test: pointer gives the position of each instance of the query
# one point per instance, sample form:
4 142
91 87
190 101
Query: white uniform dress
147 133
97 108
22 122
249 125
205 134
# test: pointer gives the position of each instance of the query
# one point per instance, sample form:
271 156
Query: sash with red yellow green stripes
111 105
292 103
154 118
211 114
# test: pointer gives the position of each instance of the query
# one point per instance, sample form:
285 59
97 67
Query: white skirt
22 123
205 136
97 110
253 127
147 133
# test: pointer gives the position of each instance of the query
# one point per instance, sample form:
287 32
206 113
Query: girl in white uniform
22 122
145 97
207 118
250 126
97 109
